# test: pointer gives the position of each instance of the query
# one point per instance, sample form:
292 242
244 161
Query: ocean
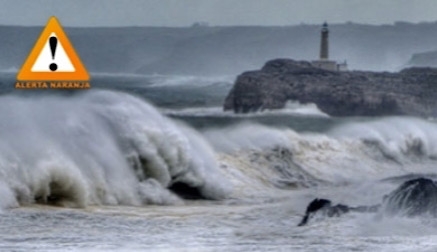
153 163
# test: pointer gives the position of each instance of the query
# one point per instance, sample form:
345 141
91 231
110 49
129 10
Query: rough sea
107 169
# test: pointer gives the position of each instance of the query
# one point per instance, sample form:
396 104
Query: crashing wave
100 147
351 152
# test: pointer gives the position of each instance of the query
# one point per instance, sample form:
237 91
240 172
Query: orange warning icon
53 58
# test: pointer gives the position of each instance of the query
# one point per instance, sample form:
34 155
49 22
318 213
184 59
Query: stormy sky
214 12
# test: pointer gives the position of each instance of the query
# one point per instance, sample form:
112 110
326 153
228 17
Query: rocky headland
412 91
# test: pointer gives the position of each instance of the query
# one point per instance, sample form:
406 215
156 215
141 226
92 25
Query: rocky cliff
412 91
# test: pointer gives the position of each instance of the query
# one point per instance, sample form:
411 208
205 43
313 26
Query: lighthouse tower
324 62
324 43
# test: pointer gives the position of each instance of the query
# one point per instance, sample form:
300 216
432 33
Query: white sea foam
100 147
180 81
112 148
291 108
349 153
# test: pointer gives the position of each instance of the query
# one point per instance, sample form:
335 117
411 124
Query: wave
100 147
292 108
397 138
187 80
106 147
349 153
11 69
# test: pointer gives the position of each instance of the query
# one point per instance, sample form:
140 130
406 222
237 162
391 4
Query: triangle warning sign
53 58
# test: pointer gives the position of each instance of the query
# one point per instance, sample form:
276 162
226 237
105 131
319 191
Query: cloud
215 12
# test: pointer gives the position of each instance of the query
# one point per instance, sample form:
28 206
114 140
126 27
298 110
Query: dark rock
356 93
186 191
324 207
415 197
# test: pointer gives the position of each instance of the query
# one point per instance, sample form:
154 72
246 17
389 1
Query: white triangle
44 59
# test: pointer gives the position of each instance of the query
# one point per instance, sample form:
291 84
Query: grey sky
215 12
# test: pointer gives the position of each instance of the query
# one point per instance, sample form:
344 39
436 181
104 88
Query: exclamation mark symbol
53 42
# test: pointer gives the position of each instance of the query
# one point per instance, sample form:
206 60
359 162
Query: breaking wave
100 147
105 147
261 156
291 108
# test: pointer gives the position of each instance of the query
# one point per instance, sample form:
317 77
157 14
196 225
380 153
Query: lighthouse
324 42
324 62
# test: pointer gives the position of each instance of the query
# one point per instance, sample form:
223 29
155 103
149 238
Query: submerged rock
413 198
416 197
355 93
324 207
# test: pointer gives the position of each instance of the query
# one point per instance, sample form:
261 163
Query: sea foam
99 147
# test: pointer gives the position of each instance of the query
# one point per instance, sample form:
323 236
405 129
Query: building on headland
324 62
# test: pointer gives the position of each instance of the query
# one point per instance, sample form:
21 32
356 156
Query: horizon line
206 25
